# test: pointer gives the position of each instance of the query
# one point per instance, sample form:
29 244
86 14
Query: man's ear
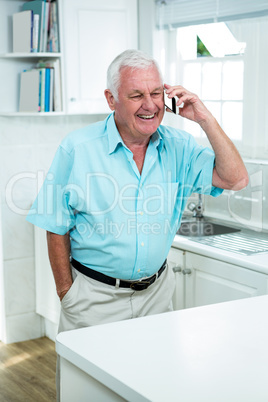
110 99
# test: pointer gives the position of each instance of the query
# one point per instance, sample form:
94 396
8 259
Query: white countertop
206 354
256 262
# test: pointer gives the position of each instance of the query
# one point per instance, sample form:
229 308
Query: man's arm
59 256
229 171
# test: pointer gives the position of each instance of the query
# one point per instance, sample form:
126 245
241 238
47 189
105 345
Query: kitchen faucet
198 208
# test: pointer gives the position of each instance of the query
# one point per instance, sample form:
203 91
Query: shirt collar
157 139
114 138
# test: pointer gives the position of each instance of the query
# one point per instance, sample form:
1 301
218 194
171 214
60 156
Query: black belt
135 285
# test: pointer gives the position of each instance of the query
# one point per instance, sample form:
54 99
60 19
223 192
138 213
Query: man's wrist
208 123
62 293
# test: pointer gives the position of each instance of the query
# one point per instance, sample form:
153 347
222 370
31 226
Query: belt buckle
140 285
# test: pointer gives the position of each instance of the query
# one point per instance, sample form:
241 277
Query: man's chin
149 127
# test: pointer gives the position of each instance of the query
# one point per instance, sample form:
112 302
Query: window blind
178 13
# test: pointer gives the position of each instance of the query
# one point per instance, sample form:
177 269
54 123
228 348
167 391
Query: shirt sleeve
200 169
51 210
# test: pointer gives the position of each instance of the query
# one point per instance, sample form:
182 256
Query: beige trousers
89 302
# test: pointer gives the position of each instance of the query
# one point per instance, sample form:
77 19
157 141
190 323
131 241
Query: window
232 82
216 78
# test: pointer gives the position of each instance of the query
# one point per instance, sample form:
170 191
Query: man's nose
148 102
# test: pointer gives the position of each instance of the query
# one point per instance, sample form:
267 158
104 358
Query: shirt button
139 270
142 244
141 212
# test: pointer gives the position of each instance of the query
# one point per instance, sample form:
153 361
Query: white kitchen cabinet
212 281
94 32
176 261
204 280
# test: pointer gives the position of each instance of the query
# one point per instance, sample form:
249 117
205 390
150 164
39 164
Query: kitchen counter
206 354
257 262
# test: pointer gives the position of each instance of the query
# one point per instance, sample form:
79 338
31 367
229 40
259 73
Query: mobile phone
170 103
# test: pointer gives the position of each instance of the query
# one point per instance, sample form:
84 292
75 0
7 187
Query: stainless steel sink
201 227
209 233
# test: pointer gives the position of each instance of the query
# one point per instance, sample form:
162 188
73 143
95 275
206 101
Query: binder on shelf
29 91
22 31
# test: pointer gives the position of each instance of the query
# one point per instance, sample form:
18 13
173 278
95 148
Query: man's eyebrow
136 90
158 89
140 92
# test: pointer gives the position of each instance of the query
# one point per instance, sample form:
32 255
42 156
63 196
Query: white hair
135 59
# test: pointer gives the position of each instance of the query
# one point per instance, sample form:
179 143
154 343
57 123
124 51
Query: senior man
114 195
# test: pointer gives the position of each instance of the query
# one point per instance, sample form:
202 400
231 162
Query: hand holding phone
170 103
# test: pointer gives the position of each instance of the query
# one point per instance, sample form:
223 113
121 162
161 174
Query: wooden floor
27 371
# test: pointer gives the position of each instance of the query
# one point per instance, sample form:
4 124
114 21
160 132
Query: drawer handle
177 268
186 271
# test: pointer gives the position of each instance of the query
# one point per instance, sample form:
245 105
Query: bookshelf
91 34
12 64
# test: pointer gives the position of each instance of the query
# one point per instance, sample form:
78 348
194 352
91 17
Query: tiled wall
27 145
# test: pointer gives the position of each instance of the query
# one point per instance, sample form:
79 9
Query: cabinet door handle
186 271
177 268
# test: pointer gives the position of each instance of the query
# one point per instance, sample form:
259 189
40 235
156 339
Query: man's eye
156 94
135 96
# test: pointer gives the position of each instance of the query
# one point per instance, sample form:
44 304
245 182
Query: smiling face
140 107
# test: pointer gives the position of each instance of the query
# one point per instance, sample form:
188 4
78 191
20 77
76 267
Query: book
47 89
22 31
56 27
53 41
37 7
51 91
39 95
45 25
35 33
57 99
42 92
29 91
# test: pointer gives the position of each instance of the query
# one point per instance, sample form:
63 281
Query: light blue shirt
121 223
